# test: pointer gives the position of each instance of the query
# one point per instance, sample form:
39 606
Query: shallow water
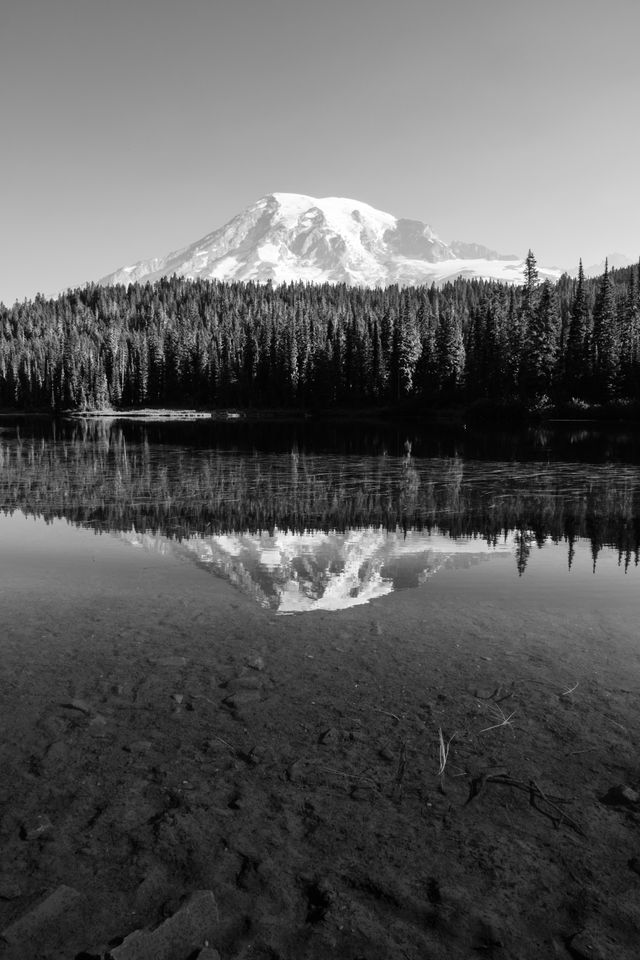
309 516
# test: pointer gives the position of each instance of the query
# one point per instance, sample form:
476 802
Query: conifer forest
211 344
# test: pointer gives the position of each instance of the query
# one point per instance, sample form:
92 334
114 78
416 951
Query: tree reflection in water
117 477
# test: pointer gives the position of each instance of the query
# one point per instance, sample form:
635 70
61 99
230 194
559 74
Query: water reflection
295 572
301 527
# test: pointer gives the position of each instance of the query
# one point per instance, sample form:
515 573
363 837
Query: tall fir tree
578 352
605 341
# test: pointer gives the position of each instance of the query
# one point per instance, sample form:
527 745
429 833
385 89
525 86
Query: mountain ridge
285 237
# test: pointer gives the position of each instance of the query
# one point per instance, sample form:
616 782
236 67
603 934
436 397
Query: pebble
177 697
329 736
57 754
208 953
387 754
170 661
10 889
81 705
294 771
621 796
180 935
584 946
256 663
36 829
363 792
138 746
241 698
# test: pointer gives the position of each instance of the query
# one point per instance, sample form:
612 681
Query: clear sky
133 127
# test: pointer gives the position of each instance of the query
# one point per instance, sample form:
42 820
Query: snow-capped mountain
288 236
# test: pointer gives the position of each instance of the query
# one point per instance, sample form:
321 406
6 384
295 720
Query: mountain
288 236
615 260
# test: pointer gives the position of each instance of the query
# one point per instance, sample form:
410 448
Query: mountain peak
286 237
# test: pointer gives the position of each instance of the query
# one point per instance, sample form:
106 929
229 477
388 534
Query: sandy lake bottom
163 734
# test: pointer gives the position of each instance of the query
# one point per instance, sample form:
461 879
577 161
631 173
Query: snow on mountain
286 237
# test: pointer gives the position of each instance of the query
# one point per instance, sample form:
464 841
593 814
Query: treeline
213 344
93 475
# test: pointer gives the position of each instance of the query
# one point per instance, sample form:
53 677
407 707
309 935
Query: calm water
308 516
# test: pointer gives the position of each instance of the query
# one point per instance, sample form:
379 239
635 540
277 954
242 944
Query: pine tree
630 339
541 344
605 346
577 360
531 278
450 352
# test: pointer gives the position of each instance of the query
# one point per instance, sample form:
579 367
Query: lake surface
308 516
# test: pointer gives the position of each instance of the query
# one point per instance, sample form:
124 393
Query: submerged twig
535 794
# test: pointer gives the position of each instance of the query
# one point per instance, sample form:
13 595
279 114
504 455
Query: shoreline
472 415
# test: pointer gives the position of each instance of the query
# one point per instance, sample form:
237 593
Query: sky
134 127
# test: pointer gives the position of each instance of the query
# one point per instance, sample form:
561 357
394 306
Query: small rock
585 946
387 754
208 953
138 746
177 697
56 755
487 936
190 928
80 705
241 698
9 889
621 796
329 736
36 829
169 661
256 663
363 792
294 771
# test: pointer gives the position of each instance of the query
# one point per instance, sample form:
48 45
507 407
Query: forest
210 344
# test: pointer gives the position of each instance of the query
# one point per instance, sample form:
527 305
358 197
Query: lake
306 516
374 686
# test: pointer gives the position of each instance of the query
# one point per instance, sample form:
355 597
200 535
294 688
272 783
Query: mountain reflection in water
295 572
306 519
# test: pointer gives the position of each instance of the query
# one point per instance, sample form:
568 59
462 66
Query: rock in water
176 938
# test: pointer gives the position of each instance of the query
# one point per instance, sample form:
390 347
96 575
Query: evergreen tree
541 343
577 360
605 345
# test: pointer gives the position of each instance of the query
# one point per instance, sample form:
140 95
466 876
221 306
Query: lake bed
169 729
